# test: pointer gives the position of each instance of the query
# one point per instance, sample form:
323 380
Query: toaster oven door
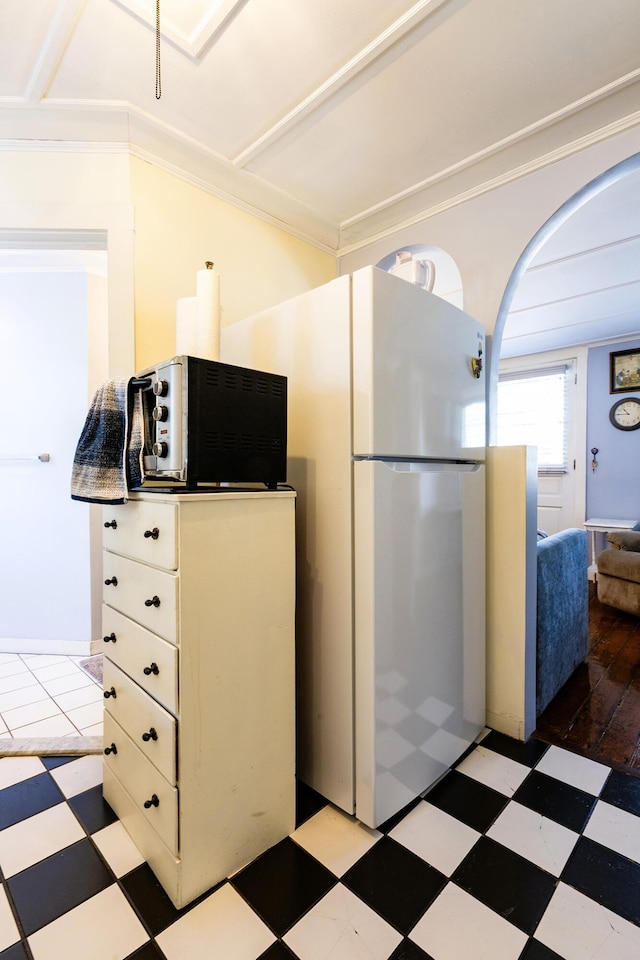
164 426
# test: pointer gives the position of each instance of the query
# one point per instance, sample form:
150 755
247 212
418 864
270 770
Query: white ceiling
346 119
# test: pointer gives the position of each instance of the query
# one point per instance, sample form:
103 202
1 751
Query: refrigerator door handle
406 465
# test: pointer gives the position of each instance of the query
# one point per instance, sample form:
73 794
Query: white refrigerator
386 435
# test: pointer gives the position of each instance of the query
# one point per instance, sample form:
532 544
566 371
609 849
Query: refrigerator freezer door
419 627
414 388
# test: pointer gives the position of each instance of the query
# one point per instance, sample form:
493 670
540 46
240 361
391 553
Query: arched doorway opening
583 196
592 193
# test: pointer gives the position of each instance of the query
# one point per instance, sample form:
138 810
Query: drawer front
143 530
149 660
140 716
143 783
147 595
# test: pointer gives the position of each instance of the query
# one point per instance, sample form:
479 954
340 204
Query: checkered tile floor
524 852
47 696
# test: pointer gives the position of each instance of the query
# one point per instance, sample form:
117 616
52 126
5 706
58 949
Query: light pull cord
158 76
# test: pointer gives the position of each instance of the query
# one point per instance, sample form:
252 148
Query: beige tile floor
47 696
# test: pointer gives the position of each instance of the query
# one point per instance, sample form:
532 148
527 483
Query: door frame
577 355
78 226
50 226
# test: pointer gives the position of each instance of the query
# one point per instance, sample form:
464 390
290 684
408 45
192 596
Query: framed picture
625 371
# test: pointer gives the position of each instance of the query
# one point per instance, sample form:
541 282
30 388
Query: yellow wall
177 228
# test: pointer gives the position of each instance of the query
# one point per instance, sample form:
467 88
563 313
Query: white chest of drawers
198 620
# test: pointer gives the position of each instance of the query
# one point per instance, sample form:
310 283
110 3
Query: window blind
533 410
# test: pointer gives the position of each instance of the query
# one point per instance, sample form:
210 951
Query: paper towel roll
187 327
208 300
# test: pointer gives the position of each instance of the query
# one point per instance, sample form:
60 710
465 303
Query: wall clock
625 414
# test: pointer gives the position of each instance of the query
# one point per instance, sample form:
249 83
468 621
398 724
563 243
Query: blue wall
613 489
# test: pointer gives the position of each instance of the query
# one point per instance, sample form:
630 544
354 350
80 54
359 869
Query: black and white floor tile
523 852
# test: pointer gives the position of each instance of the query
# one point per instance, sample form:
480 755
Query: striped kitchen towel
108 458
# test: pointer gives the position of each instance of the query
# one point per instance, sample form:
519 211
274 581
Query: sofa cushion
625 540
623 564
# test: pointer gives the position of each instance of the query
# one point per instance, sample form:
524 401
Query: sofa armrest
625 540
562 611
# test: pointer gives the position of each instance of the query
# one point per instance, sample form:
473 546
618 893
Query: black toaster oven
211 422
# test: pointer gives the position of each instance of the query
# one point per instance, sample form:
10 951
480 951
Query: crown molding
385 222
119 128
493 149
307 235
111 128
62 146
184 157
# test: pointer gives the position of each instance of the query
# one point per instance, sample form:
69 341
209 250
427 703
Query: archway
618 172
528 257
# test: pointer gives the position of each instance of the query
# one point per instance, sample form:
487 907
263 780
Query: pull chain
158 77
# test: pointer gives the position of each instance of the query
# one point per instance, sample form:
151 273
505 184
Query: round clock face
625 414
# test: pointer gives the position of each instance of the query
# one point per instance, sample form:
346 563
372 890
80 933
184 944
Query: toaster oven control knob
160 449
161 388
160 412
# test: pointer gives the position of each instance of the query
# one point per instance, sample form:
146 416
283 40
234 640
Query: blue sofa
562 611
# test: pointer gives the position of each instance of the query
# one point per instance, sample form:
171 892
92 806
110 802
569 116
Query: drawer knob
112 749
110 693
151 735
153 668
154 602
111 523
112 580
154 534
153 802
110 639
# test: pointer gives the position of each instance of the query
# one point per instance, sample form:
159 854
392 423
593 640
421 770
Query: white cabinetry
199 727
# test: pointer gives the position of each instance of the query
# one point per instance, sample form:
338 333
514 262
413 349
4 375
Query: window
533 410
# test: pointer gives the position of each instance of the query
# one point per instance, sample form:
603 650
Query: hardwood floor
597 712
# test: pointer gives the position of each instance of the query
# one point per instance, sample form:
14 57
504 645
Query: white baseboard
61 648
511 726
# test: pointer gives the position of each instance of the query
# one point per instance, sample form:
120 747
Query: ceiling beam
403 25
194 40
58 35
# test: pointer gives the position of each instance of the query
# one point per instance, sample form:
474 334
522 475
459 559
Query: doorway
104 234
611 326
53 306
537 405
